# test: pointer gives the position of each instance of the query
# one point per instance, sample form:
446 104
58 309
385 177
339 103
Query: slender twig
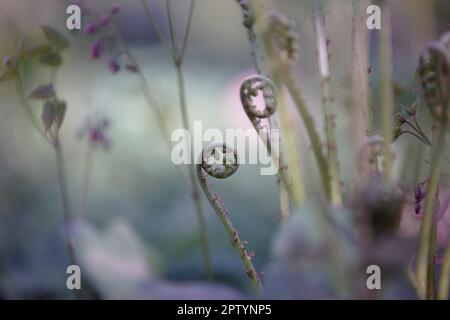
188 30
177 59
195 190
415 135
172 32
53 139
419 132
62 179
85 182
158 32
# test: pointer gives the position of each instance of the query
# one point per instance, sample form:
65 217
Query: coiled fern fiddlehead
248 92
434 70
221 161
262 82
279 44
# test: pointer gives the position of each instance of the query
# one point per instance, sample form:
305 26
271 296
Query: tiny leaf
43 91
51 58
60 111
55 38
48 114
37 51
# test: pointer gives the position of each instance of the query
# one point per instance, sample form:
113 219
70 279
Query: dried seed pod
434 71
281 31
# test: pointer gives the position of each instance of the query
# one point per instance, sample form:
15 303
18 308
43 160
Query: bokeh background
141 236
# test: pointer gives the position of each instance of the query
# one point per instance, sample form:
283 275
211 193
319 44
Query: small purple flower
115 9
114 66
132 67
91 28
96 49
95 130
105 20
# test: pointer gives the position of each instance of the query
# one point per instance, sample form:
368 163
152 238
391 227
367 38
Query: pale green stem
444 279
60 166
330 126
258 61
437 150
230 229
85 182
386 91
310 127
195 190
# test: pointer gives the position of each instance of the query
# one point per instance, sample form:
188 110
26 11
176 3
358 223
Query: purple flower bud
417 208
114 66
115 9
9 62
91 28
6 60
132 67
419 193
96 49
104 21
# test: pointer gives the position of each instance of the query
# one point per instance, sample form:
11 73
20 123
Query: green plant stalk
308 121
195 190
361 112
151 101
62 180
386 91
26 107
280 68
431 265
444 278
290 187
230 229
330 126
60 164
85 183
425 245
293 159
178 62
282 177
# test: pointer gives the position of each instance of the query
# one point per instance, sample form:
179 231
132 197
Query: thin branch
171 28
158 32
188 31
